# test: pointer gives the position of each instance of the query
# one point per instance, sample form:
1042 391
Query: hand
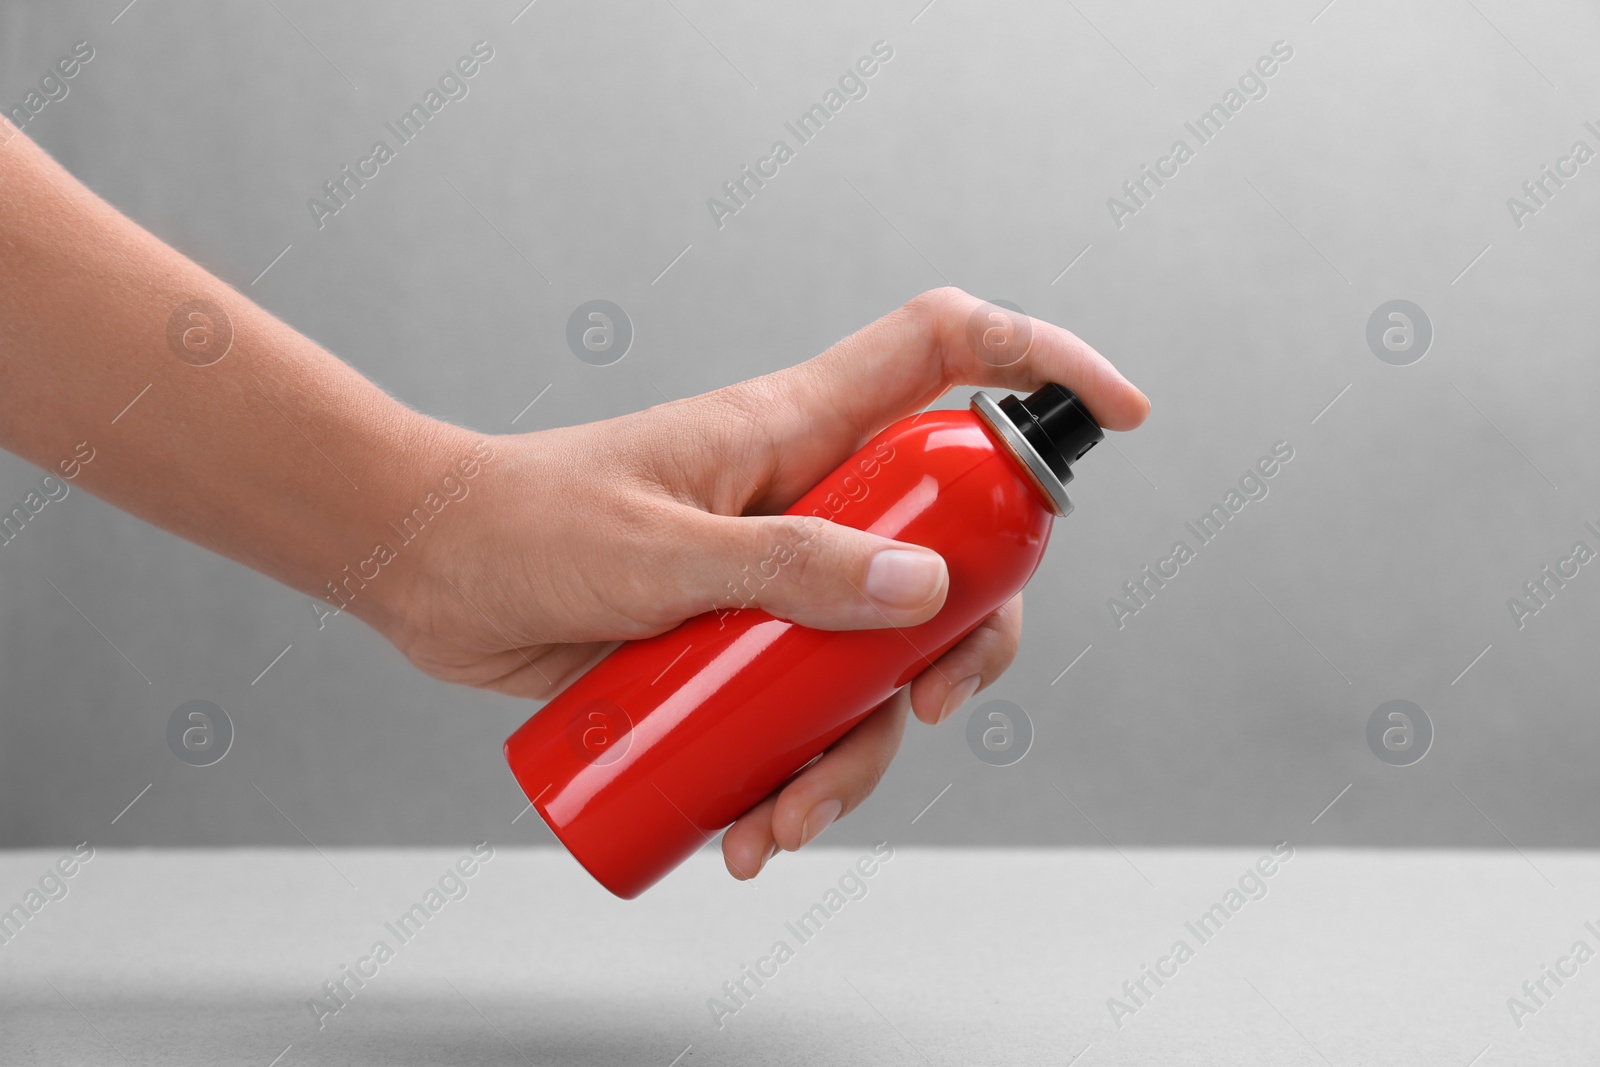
590 534
283 458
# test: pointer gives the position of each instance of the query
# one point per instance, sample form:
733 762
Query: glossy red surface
668 740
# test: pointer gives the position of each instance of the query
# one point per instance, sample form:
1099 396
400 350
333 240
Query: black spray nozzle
1057 425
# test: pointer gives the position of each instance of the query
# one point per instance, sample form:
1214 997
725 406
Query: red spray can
668 740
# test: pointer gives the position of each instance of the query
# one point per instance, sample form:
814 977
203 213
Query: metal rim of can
1038 470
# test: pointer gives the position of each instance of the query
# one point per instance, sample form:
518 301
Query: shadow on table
194 1026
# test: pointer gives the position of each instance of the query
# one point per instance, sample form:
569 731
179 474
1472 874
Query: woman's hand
578 537
214 420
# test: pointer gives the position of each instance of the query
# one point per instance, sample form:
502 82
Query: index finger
820 411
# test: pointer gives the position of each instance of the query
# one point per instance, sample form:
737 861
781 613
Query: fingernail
820 819
959 694
901 578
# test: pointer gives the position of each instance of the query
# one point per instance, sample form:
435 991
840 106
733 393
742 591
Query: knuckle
872 776
804 554
940 315
943 298
1007 621
767 564
996 646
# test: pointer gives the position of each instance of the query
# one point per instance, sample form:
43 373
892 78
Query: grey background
1228 712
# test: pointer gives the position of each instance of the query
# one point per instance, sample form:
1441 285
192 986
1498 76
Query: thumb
821 574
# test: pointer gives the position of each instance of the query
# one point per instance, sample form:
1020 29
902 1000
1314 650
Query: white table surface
951 957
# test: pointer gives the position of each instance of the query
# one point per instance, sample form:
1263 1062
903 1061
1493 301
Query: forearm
277 455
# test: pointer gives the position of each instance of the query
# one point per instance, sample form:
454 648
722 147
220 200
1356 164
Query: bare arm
247 438
278 455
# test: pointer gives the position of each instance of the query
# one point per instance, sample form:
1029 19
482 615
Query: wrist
422 472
